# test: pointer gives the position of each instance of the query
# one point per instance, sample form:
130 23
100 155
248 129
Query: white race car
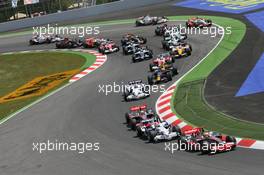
149 20
135 90
164 132
44 39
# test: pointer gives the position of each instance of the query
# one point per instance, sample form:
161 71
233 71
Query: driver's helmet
166 125
206 134
142 112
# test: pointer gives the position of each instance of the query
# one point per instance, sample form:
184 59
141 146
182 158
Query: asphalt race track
79 113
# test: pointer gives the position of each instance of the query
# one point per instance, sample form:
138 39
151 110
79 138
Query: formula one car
164 58
164 66
108 47
142 53
160 30
169 42
164 132
214 142
131 38
68 44
136 90
93 42
148 20
137 114
174 32
44 39
159 76
145 126
182 50
207 142
198 22
130 48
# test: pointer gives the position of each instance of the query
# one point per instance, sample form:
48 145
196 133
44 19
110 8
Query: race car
160 30
159 76
137 114
169 42
182 50
44 39
131 38
164 66
145 126
198 22
142 53
174 32
67 43
108 47
206 142
164 132
93 42
164 58
215 142
130 48
136 90
148 20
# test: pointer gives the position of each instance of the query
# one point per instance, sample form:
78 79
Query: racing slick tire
151 67
31 42
231 139
139 132
169 76
176 129
127 118
133 123
151 136
150 80
134 59
174 70
205 144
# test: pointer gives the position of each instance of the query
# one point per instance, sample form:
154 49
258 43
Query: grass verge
18 69
188 100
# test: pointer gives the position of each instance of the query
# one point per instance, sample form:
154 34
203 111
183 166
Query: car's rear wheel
150 80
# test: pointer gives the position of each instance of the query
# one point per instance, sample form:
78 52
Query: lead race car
207 142
148 20
136 90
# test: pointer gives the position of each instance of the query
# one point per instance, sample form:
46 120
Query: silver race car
148 20
136 90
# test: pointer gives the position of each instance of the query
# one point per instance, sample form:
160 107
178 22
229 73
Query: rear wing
138 108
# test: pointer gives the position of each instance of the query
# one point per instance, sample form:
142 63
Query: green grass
190 104
188 99
18 69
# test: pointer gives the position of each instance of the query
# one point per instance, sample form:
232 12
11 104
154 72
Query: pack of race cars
143 120
149 127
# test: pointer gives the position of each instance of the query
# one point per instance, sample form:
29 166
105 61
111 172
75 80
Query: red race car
206 142
164 58
137 114
93 42
199 22
108 47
